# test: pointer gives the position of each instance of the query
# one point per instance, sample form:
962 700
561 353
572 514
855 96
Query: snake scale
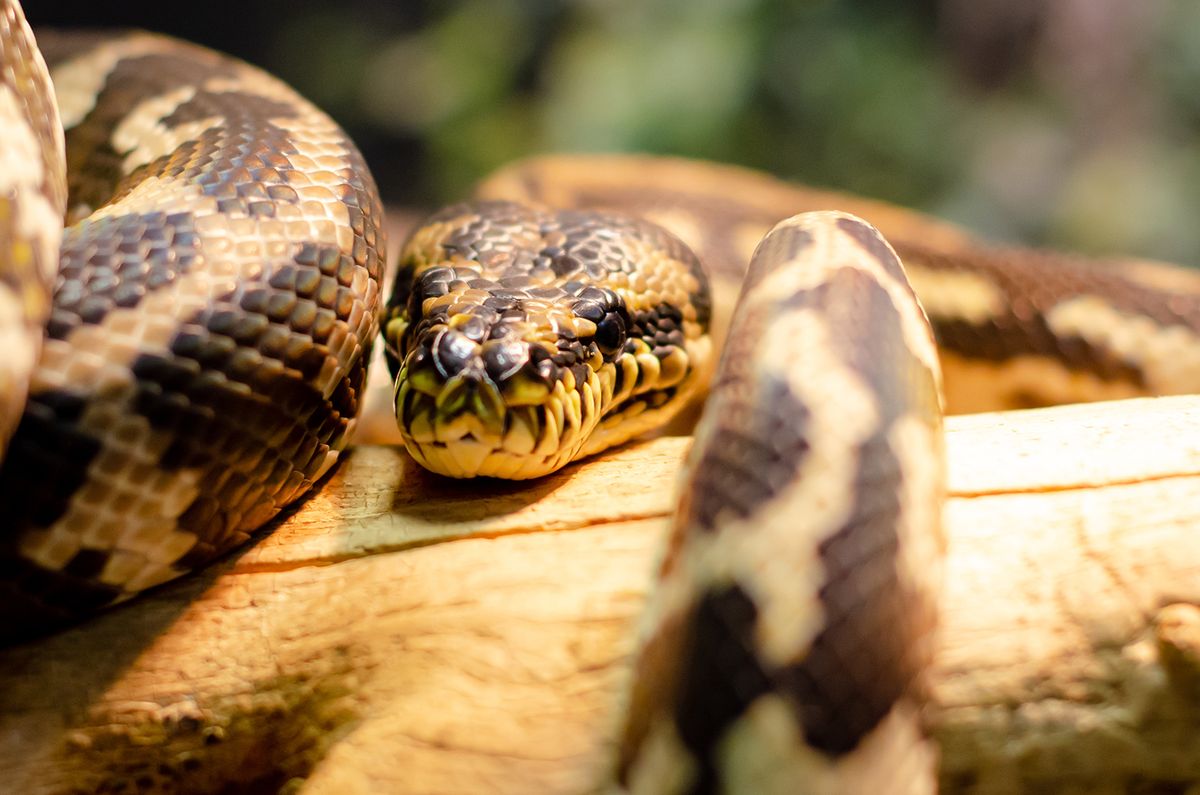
205 335
205 346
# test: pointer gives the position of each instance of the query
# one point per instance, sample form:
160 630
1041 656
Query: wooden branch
402 633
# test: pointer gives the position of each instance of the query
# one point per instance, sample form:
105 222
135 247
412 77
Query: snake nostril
473 328
452 352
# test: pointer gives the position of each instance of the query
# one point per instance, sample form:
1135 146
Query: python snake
216 297
785 646
204 350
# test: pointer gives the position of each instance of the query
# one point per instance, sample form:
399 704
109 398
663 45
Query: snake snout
494 398
524 338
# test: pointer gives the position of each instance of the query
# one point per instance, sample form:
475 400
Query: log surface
402 633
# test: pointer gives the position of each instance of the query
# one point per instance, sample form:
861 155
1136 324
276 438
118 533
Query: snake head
512 335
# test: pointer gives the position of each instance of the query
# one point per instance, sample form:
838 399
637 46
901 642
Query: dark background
1074 122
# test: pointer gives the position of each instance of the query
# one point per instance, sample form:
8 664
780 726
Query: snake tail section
207 343
33 198
784 649
523 338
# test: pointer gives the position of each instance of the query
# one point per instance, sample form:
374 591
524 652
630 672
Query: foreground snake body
794 617
217 295
207 341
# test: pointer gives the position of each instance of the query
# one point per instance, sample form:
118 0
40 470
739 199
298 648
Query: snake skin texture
792 624
522 338
205 352
32 201
1016 327
784 648
786 641
216 299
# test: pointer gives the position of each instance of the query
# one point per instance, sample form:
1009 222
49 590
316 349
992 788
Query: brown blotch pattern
514 330
209 336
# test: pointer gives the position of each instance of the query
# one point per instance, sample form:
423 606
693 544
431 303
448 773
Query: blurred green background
1074 123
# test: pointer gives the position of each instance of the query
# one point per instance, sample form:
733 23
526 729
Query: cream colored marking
773 553
663 765
1160 276
252 81
121 567
831 249
973 385
52 548
956 295
21 176
145 138
150 575
16 339
154 193
1168 356
764 753
78 82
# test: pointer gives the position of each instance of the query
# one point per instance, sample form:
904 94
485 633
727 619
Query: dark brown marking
1031 282
35 601
873 243
780 246
46 464
720 678
873 644
114 262
753 454
94 167
254 452
869 338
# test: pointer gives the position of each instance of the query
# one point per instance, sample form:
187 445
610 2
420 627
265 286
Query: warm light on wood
408 634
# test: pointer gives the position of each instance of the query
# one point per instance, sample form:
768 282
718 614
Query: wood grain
402 633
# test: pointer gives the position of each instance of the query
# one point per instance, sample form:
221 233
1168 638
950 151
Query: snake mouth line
522 339
468 425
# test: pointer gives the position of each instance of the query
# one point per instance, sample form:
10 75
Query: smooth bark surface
403 633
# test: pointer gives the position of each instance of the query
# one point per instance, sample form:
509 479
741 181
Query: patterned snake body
784 649
787 638
785 646
32 201
205 349
1016 327
206 346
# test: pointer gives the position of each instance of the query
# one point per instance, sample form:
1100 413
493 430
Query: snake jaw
562 334
497 403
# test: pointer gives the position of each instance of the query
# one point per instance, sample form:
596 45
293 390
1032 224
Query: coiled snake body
206 344
217 294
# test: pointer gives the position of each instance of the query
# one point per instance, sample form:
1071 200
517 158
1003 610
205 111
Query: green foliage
1074 139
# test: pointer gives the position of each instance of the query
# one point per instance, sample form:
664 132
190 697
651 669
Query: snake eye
610 335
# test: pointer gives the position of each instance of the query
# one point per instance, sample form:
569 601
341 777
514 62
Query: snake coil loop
205 347
203 351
